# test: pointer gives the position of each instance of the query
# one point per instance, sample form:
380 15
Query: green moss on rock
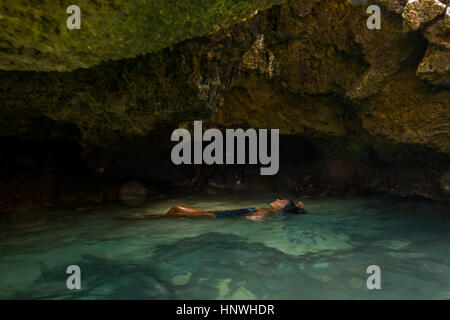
34 36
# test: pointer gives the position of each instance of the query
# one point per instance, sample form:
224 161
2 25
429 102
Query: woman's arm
259 214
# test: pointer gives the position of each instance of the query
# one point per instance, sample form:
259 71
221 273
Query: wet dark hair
290 207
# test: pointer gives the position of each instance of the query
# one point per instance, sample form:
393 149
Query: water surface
321 255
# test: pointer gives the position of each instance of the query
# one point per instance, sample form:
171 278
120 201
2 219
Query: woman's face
279 204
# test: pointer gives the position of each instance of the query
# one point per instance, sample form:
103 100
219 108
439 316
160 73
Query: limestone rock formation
447 18
394 5
34 36
435 66
308 67
417 13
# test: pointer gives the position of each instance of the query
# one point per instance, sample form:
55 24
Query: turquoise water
321 255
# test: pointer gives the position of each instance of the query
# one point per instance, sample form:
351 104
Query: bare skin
187 212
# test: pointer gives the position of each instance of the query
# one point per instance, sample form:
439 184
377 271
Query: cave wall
34 36
310 68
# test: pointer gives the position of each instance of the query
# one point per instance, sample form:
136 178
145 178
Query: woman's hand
255 217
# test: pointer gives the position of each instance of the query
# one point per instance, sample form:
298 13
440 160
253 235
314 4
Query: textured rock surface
34 36
435 66
447 18
394 5
417 13
374 103
129 98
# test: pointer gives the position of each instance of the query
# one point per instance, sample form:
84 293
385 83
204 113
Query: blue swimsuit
238 212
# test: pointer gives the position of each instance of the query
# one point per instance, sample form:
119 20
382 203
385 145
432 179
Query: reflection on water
323 254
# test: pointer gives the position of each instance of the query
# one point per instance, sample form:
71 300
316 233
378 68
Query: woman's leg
182 210
178 211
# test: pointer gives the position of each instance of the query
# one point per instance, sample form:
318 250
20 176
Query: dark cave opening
57 171
24 156
52 171
38 171
296 149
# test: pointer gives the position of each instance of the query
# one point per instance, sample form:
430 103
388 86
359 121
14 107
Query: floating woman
277 206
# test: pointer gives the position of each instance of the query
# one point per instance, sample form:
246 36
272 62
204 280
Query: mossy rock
34 37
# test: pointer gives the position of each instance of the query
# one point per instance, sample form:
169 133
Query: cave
87 175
